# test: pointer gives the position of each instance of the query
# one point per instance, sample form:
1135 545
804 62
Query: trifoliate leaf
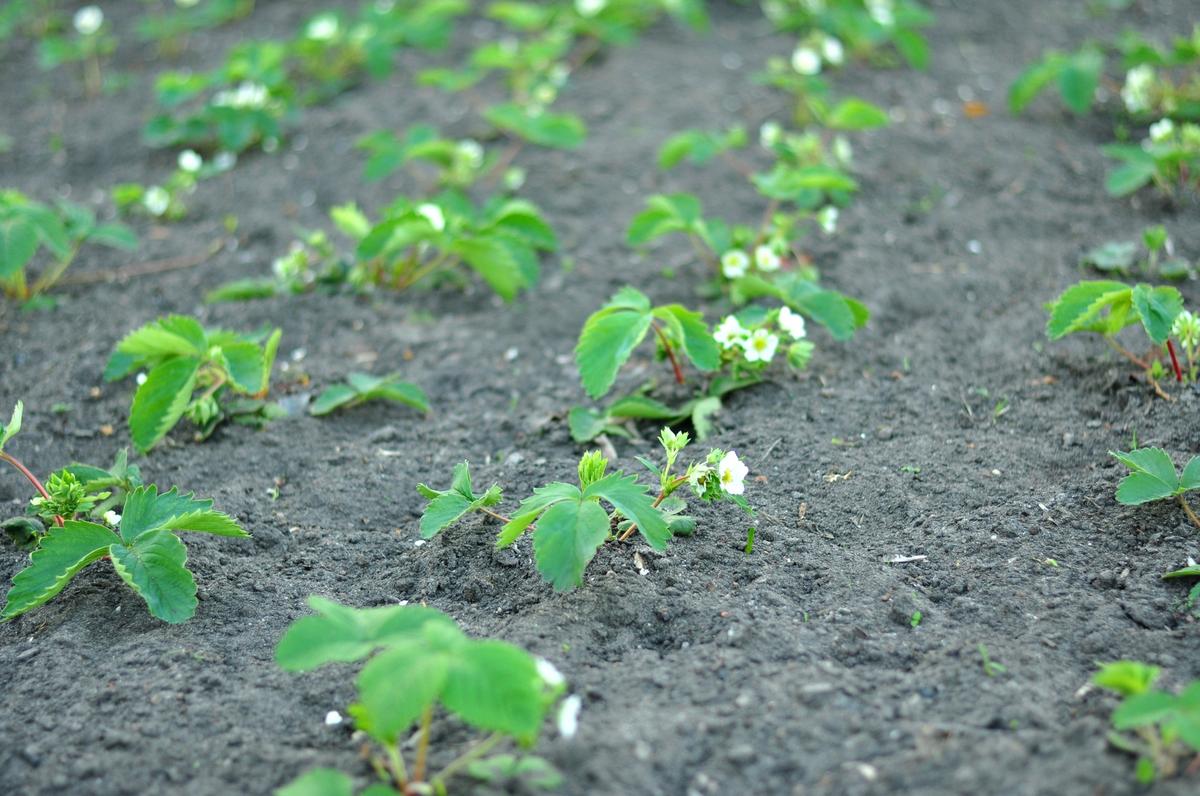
633 501
1080 308
542 498
154 566
320 782
146 510
14 425
161 400
64 551
175 335
495 686
446 508
1157 308
1150 707
1127 677
608 338
362 387
1153 476
396 686
342 634
492 260
566 540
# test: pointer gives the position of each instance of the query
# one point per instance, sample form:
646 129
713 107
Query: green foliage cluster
1161 728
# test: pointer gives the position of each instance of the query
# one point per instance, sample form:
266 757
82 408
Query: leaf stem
23 470
476 751
657 502
1125 352
396 763
423 744
1191 515
666 344
495 514
1174 361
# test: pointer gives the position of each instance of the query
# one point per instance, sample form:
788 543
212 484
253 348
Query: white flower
471 152
730 333
433 214
827 217
1136 91
550 673
843 151
88 20
589 8
190 161
732 474
246 95
156 200
140 378
832 51
112 518
1187 329
333 718
766 259
568 716
734 263
760 346
769 134
224 161
1162 130
322 27
806 61
792 323
882 11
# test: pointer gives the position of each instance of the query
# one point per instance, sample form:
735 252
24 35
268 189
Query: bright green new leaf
1126 677
1153 476
14 425
1036 77
446 508
1081 308
154 566
1157 307
566 540
496 686
64 551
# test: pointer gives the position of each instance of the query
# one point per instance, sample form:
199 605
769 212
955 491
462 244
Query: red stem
23 470
1175 361
670 354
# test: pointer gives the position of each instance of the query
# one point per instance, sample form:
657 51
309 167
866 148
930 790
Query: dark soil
793 670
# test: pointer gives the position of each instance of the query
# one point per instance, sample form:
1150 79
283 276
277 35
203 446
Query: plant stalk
1191 515
458 763
666 344
23 470
423 745
1175 361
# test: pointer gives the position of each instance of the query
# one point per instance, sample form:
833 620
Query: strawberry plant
27 227
419 659
194 372
869 29
1124 256
1161 728
1152 476
459 164
569 522
1105 307
362 387
170 27
167 201
90 42
1192 570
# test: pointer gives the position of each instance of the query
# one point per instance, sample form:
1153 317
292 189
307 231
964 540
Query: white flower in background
156 200
333 718
186 3
732 474
792 323
832 51
1187 329
433 214
760 346
730 333
806 61
112 518
1162 130
550 673
568 716
246 95
190 161
140 378
471 152
827 217
589 8
766 259
224 161
843 151
559 74
770 134
1136 91
734 263
882 11
514 178
88 20
322 27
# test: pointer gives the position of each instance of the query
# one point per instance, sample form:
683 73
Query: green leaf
154 567
117 236
401 392
1130 176
639 407
702 412
202 521
495 686
161 400
342 634
633 501
1080 306
608 338
242 290
542 498
1078 79
585 424
319 782
663 215
1032 81
534 771
1150 707
492 260
331 398
1112 256
1153 476
1157 308
63 553
270 349
396 686
14 425
244 365
1126 677
446 508
557 130
18 244
1189 481
698 342
567 537
176 335
856 114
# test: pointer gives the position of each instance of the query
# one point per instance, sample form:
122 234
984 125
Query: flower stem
23 470
1125 352
1174 361
666 344
423 745
1188 511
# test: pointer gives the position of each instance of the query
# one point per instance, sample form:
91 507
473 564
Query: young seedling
91 42
1106 307
362 387
1162 729
27 226
1153 477
1123 256
141 543
193 371
419 660
569 522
